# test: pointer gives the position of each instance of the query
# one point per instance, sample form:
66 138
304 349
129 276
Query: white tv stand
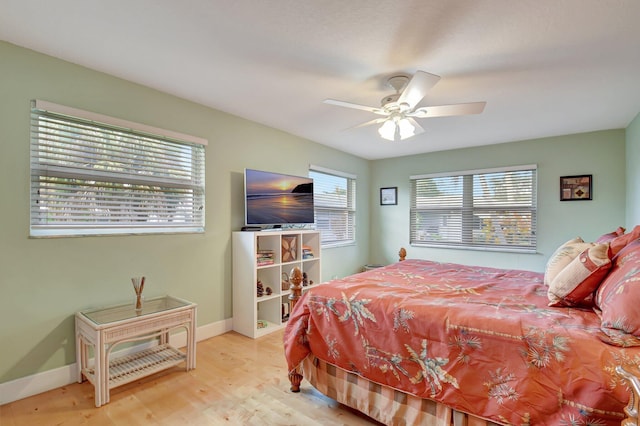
267 257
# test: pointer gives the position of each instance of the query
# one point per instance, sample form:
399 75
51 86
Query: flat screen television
277 199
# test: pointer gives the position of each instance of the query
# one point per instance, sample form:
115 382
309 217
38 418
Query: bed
422 342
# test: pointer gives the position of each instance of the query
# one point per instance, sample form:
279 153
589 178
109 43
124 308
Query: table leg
81 358
85 358
79 354
97 370
191 343
104 356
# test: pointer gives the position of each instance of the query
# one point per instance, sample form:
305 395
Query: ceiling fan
399 110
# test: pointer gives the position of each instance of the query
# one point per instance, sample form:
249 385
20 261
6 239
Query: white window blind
334 196
93 174
483 209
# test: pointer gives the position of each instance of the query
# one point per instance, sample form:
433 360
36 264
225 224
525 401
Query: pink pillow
580 278
620 242
618 297
606 238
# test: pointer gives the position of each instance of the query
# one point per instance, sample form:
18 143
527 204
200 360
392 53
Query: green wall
633 173
599 153
44 281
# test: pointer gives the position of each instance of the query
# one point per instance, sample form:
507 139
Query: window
93 174
334 197
484 209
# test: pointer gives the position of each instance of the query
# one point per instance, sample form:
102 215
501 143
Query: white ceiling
544 67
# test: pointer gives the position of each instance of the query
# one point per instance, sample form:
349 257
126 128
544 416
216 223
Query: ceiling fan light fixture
396 126
406 129
388 130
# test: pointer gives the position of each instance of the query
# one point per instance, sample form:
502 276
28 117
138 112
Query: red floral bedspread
480 340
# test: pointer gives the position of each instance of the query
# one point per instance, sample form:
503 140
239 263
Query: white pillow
563 256
581 277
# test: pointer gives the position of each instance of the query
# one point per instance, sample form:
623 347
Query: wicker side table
105 328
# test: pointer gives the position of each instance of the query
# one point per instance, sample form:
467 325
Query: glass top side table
127 311
105 328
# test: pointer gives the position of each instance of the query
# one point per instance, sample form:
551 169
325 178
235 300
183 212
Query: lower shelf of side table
132 367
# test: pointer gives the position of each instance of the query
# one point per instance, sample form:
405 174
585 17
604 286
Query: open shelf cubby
268 258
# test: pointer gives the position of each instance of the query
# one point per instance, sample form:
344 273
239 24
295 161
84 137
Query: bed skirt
382 403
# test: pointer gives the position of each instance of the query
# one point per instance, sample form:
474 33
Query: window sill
339 244
490 249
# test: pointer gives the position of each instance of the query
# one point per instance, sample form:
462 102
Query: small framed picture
576 188
389 196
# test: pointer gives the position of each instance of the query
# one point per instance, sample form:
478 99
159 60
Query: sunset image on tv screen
274 198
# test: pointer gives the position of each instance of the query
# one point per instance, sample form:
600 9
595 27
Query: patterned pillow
620 242
618 297
563 256
581 277
606 238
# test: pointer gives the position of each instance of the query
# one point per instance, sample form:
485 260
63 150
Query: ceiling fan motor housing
398 83
389 99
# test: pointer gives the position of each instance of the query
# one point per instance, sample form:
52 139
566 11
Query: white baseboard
58 377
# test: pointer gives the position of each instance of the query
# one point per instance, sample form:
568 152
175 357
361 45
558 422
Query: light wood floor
237 381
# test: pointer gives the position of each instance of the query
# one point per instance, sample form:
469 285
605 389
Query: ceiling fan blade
355 106
448 110
417 87
369 123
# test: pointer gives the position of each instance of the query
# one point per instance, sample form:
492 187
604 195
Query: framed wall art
576 188
389 196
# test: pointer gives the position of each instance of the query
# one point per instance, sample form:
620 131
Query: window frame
78 155
470 214
349 209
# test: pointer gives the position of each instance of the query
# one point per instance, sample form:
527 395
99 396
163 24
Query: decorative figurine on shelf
402 253
268 291
260 289
295 281
138 286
